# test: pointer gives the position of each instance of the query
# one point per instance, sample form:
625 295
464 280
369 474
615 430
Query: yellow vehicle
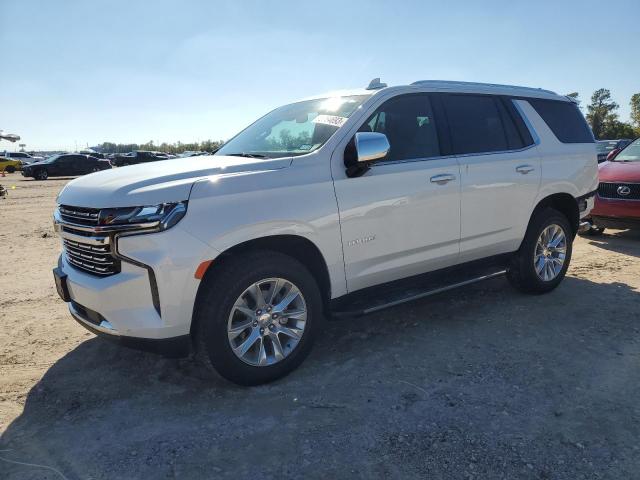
8 165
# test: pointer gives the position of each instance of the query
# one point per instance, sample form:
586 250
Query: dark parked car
66 164
138 156
605 148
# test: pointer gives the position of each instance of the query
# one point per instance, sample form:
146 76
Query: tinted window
564 119
514 140
476 124
408 123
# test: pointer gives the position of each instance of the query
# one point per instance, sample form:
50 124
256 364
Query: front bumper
616 213
173 347
149 302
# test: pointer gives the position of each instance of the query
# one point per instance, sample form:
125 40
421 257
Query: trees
175 148
635 109
601 113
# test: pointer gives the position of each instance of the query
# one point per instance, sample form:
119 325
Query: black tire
522 273
10 169
217 295
41 175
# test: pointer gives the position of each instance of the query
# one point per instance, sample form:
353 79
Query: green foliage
288 142
175 148
601 113
635 110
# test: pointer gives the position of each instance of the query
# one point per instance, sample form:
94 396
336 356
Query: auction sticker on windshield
333 120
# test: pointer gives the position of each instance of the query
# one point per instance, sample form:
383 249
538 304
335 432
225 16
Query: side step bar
378 298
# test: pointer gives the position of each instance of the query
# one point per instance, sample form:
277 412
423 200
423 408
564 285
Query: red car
617 204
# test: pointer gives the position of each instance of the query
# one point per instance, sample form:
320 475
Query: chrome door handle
524 169
443 178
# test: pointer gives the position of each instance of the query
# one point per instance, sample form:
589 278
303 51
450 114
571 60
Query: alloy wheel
550 252
267 322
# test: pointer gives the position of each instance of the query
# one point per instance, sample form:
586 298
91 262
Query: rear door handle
524 169
443 178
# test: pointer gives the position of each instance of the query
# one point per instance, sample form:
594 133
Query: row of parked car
608 149
72 164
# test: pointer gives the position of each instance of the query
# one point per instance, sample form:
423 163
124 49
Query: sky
84 72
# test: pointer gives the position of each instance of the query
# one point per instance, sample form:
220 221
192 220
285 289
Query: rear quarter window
564 119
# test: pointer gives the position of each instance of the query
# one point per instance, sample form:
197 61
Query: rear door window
564 119
475 123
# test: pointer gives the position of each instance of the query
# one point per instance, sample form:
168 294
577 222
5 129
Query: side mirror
371 146
612 154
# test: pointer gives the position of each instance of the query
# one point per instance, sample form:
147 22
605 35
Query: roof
452 85
489 86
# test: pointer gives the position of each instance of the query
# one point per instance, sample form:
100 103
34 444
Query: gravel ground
477 383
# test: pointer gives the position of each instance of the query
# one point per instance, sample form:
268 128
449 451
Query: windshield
630 154
52 158
606 147
295 129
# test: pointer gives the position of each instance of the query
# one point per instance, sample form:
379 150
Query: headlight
156 217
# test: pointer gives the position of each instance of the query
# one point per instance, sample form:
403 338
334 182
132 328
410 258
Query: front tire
42 175
10 169
256 317
544 256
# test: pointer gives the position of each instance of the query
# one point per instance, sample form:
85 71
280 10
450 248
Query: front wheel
257 317
10 169
543 258
42 175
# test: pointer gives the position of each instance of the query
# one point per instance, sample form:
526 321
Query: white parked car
341 204
22 157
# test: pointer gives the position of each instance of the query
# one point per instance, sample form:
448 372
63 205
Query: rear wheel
41 175
543 258
257 317
10 169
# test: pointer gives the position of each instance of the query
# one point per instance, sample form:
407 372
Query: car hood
156 182
619 172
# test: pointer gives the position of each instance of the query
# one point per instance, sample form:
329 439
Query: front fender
226 211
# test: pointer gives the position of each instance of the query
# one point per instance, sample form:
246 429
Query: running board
390 295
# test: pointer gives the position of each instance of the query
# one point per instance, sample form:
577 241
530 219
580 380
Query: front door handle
443 178
524 169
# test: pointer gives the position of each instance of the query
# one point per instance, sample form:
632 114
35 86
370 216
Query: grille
91 258
79 215
610 190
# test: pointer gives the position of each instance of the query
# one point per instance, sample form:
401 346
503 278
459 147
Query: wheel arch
298 247
565 203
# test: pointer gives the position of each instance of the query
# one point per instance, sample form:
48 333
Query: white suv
340 204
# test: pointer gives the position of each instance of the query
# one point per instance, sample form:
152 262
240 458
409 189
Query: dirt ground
477 383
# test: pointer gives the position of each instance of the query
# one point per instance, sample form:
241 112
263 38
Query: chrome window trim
444 157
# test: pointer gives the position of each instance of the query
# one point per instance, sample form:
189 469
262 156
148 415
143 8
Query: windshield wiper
248 155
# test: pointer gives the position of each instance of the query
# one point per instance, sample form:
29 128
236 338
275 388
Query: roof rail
451 83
